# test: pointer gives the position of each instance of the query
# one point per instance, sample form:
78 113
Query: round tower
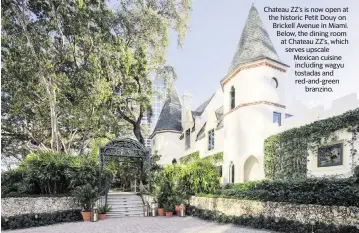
254 97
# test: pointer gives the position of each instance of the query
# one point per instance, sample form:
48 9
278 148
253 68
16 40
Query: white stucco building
248 106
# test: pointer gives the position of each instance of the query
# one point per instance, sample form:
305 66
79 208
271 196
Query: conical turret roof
254 44
171 114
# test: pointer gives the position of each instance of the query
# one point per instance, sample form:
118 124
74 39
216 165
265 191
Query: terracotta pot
177 209
86 216
169 214
161 212
102 216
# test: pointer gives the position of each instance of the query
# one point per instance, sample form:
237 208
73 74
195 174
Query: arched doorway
251 169
128 150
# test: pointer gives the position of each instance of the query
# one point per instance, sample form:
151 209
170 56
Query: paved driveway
142 225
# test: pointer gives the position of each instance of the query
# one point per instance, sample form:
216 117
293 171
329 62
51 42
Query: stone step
121 205
135 211
139 208
124 215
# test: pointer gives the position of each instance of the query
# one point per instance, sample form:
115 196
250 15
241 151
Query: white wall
168 146
345 170
246 128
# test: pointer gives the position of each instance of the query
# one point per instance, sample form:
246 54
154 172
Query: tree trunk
138 133
55 141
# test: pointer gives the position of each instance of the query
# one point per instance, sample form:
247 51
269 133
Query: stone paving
142 225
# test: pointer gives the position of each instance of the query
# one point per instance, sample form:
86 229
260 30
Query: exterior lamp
153 208
146 209
312 222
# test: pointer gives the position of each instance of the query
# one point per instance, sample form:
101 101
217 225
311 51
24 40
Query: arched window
274 82
233 97
231 172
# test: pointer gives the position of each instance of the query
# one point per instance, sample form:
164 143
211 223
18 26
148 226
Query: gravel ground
142 225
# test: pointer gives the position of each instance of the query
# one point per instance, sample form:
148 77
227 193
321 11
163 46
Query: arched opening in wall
233 97
251 169
231 172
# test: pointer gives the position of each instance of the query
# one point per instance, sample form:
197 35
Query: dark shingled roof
171 114
254 44
202 107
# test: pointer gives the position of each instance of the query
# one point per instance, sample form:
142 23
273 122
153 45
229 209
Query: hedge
320 191
42 219
190 157
286 153
50 173
261 222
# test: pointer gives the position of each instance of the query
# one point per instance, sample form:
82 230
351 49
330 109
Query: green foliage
190 157
215 158
36 220
261 222
177 182
50 173
85 196
198 177
285 154
104 209
335 192
54 76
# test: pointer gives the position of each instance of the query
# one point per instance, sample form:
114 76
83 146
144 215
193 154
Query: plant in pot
161 198
177 200
169 209
102 211
85 196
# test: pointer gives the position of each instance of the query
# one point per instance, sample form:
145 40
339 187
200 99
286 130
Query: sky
215 27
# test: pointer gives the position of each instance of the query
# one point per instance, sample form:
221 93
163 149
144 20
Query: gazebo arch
127 149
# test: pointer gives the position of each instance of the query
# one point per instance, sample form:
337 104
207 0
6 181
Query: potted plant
161 210
85 196
169 209
102 211
177 200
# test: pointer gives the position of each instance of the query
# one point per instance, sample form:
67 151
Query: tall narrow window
211 139
231 172
188 138
277 118
233 97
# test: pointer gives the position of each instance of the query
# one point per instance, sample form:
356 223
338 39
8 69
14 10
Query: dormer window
233 97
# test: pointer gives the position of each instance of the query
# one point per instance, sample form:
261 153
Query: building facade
248 107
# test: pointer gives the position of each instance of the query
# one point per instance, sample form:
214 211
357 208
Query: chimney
186 106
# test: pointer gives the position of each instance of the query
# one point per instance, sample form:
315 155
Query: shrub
179 182
285 154
261 222
339 192
85 195
50 173
36 220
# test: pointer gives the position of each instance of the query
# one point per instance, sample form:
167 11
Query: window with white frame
211 139
277 118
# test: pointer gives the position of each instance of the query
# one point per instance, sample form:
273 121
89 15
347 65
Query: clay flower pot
169 214
86 216
161 212
177 209
102 216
